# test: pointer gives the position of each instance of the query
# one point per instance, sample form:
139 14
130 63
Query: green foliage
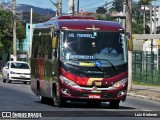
5 31
37 18
118 5
101 10
20 34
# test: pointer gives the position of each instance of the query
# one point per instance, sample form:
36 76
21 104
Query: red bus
70 61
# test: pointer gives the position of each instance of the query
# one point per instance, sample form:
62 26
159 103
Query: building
26 44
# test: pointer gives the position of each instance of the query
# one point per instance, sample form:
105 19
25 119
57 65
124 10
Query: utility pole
124 14
144 20
59 7
30 49
71 7
77 6
105 7
14 31
129 29
155 17
150 18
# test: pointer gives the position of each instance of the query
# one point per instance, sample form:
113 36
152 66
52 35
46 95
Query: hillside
21 8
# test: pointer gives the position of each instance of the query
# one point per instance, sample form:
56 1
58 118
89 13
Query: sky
85 5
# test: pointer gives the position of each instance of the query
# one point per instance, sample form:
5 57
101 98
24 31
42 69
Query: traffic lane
25 100
18 96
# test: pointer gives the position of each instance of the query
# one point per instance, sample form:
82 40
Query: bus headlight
68 82
120 83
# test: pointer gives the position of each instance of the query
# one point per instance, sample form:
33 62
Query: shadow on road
103 105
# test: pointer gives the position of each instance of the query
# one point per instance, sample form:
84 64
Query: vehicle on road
67 62
16 71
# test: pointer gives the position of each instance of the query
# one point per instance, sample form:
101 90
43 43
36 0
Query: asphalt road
18 97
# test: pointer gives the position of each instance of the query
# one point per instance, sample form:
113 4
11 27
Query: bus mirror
130 42
130 45
54 42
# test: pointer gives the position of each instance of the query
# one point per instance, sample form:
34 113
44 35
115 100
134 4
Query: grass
144 83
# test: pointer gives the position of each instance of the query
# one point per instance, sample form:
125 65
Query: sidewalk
148 92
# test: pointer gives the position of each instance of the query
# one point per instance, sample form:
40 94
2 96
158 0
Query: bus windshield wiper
109 63
99 68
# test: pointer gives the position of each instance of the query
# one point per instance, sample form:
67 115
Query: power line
91 9
93 4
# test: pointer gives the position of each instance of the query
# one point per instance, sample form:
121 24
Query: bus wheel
58 101
114 104
55 101
41 98
61 102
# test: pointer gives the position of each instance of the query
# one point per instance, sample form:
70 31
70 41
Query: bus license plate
97 96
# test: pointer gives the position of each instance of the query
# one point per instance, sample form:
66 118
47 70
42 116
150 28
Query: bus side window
55 46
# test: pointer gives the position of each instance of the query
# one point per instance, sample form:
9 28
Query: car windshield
91 46
19 65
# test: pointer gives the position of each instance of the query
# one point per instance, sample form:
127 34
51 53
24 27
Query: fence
146 67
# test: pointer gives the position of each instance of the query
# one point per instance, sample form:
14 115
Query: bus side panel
34 76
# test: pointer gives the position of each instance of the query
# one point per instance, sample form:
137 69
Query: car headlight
68 82
11 72
120 83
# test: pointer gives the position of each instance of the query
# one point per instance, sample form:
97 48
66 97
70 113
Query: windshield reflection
84 46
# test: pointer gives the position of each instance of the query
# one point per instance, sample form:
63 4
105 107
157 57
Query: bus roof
81 23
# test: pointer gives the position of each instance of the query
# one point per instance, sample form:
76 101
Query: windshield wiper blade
99 68
109 63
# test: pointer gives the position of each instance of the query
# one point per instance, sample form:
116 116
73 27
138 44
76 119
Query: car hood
20 70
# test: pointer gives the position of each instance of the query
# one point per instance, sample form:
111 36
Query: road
19 97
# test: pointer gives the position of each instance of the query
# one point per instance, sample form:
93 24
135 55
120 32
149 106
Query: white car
16 71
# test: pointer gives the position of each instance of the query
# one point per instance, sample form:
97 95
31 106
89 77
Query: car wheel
41 98
114 104
8 80
3 80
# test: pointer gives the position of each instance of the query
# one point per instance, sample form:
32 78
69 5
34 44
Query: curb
142 96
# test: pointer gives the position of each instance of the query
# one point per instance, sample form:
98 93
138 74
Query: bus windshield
94 46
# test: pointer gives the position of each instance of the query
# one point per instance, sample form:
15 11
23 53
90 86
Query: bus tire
61 102
58 101
114 104
41 98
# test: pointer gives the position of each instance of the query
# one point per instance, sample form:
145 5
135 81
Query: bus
67 62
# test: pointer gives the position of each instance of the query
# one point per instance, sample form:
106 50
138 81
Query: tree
101 10
6 31
20 33
118 5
